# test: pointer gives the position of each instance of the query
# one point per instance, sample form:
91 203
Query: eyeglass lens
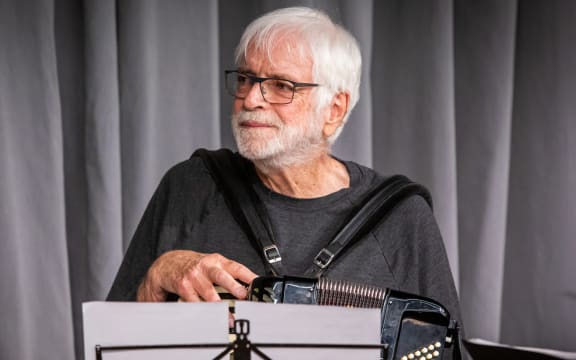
274 91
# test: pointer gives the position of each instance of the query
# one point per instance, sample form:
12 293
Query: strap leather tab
324 258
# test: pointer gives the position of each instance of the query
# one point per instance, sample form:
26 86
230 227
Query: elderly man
296 81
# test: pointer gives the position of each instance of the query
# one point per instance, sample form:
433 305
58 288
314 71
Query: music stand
102 321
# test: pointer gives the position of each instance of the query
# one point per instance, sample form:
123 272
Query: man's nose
254 97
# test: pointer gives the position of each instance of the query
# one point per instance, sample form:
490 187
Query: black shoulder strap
231 175
376 206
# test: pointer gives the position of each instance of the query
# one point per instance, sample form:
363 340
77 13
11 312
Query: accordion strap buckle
324 258
272 254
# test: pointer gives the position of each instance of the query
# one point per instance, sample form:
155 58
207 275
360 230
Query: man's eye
241 79
281 85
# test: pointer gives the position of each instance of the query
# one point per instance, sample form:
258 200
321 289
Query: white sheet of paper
311 324
122 324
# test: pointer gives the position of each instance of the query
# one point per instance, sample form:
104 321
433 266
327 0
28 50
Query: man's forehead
281 59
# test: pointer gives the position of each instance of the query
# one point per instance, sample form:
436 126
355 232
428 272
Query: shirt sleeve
142 250
415 250
180 197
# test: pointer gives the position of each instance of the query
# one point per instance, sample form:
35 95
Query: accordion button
424 350
410 356
436 353
417 353
437 344
404 357
431 347
429 356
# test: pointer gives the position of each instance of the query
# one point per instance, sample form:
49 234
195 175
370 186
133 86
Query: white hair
334 51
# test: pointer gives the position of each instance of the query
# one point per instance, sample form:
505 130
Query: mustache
264 118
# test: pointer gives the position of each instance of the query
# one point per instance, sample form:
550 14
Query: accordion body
412 327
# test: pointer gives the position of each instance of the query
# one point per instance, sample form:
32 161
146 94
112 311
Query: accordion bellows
412 326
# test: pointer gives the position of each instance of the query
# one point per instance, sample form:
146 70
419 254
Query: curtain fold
539 287
413 91
484 45
102 147
169 88
473 99
35 298
355 141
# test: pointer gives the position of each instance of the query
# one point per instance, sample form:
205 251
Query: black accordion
412 327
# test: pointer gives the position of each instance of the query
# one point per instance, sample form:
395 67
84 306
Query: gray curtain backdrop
475 99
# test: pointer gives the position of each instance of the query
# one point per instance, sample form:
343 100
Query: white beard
281 145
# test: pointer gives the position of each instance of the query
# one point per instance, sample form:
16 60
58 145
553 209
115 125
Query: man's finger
228 282
239 272
205 289
187 291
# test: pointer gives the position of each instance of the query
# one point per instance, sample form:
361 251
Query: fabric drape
473 99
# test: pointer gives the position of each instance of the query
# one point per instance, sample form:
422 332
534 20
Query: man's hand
192 276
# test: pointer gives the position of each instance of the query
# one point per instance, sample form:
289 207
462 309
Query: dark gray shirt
404 252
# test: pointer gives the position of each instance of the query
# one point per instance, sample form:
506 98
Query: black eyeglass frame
260 80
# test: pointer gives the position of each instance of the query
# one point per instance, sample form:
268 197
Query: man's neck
321 176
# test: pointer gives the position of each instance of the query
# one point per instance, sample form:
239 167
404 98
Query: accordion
412 327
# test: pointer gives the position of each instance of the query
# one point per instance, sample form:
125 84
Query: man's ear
338 109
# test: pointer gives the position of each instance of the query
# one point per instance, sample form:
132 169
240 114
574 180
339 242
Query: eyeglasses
274 91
